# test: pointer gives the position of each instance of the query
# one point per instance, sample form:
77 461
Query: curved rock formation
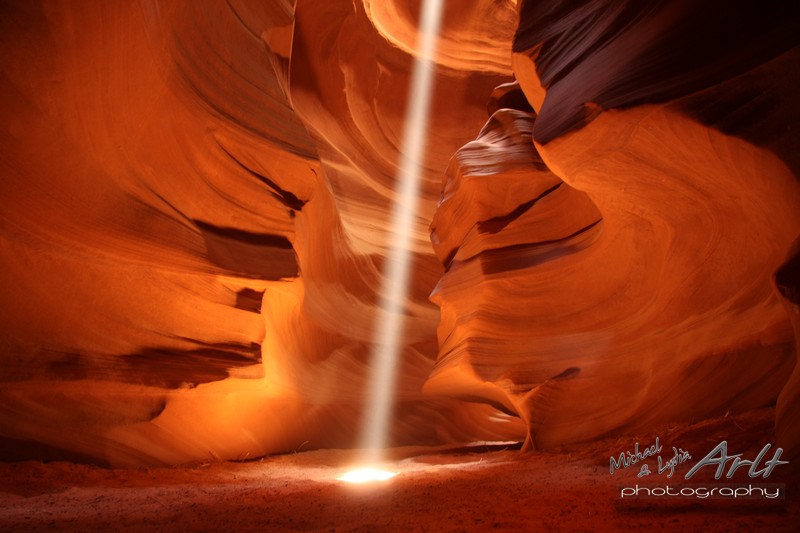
787 280
675 123
191 243
195 202
616 54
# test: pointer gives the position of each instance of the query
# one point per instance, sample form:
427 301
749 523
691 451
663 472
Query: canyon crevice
195 216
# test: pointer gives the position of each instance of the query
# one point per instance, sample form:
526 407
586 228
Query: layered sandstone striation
195 212
787 281
191 244
671 128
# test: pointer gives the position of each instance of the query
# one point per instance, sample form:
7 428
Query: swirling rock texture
195 203
615 272
192 245
787 280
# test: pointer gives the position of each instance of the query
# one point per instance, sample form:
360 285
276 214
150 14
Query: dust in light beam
387 339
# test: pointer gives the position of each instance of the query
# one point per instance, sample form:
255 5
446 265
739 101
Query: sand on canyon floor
481 487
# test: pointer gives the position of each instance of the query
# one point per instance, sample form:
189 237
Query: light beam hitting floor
388 331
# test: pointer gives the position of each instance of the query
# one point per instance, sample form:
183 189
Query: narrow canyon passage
201 204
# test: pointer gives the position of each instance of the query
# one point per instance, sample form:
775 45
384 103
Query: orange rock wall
195 201
194 209
636 290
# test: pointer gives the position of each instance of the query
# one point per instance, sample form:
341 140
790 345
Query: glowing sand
365 475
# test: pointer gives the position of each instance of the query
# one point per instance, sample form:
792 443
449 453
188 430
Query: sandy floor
474 488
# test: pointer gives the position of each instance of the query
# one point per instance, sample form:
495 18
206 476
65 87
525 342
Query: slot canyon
196 226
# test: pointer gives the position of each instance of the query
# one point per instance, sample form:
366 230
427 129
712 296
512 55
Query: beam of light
394 289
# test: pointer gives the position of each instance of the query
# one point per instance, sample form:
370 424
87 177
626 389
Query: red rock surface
473 489
191 244
195 201
666 310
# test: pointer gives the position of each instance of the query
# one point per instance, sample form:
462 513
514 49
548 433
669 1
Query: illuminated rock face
665 311
191 245
195 199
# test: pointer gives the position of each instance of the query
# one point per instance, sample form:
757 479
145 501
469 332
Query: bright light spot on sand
388 331
365 475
